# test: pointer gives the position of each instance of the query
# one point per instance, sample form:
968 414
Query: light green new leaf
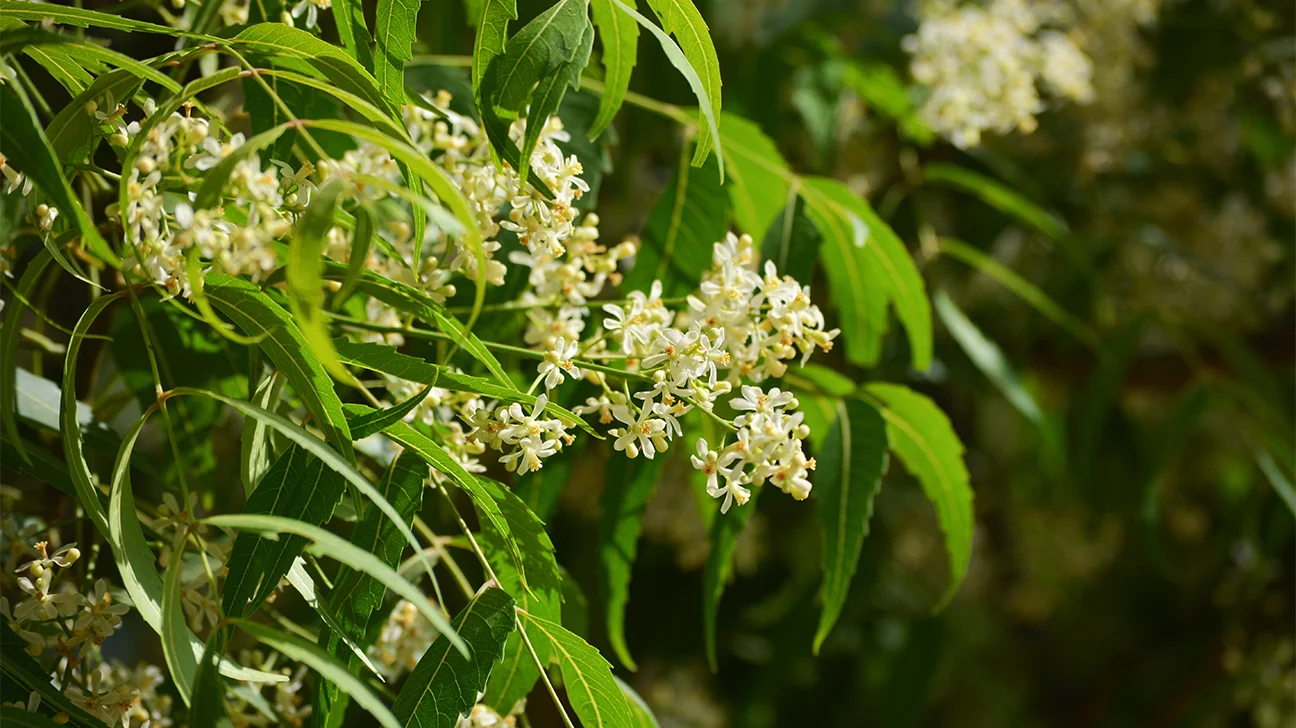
681 18
922 437
305 272
321 662
998 196
619 34
759 177
629 486
444 685
25 146
871 256
987 357
641 715
341 550
587 676
255 451
278 336
395 22
851 460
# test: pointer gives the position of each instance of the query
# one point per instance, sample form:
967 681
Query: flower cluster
982 66
404 637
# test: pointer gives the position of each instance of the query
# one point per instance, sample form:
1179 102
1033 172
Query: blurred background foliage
1127 412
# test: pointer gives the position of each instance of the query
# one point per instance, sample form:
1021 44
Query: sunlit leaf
619 34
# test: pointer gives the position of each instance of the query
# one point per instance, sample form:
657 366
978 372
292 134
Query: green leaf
395 23
793 241
540 489
998 196
21 669
281 340
676 242
922 437
865 262
882 88
17 716
532 74
620 37
1282 485
357 597
305 272
1024 289
587 676
759 178
24 145
385 359
987 357
10 332
445 684
78 17
89 55
362 239
208 707
682 19
300 51
348 17
725 529
296 486
851 463
135 565
305 586
255 451
492 36
322 451
179 660
342 550
541 595
628 487
313 657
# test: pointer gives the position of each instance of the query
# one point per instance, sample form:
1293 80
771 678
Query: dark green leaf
10 331
208 707
998 196
849 473
725 530
445 684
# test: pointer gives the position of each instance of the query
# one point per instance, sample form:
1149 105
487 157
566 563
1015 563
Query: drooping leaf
851 462
139 575
681 19
866 261
348 17
305 586
444 685
179 660
628 487
25 146
10 331
339 549
987 357
255 450
294 648
257 315
998 196
207 710
296 486
395 22
922 437
358 595
687 220
82 18
758 179
1024 289
619 34
725 529
641 716
587 676
305 272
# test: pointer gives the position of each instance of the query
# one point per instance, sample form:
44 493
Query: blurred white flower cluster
404 637
984 66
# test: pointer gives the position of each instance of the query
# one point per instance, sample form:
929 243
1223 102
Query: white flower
644 434
557 361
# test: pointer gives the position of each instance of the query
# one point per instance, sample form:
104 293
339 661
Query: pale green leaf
395 22
759 178
620 37
587 676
